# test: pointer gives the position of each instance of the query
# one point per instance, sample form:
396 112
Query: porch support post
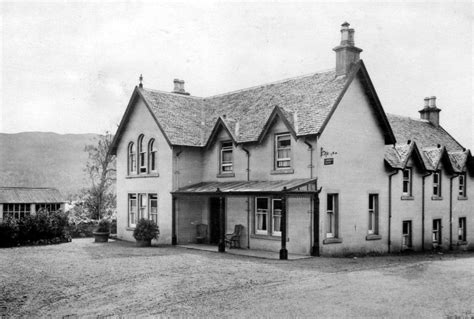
221 224
283 250
174 238
315 248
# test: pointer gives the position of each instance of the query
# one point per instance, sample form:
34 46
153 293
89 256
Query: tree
100 197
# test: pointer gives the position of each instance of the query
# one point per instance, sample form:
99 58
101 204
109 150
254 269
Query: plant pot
101 237
144 243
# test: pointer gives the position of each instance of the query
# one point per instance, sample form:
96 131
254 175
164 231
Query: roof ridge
272 83
173 94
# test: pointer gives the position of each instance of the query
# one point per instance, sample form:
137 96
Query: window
262 211
407 182
132 210
141 155
332 216
437 184
152 155
226 158
406 234
436 231
48 207
16 211
462 185
373 214
142 203
462 229
283 151
268 218
153 214
276 217
132 160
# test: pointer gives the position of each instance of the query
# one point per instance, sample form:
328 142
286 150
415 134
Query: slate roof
304 101
422 132
26 195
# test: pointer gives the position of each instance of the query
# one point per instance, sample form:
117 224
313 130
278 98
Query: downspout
310 157
451 210
423 210
248 198
174 202
389 240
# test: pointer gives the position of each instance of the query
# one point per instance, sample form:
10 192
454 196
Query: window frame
273 215
373 225
407 237
437 184
152 156
436 231
132 215
462 229
226 147
142 206
269 214
462 185
407 180
277 159
132 160
153 198
332 215
141 155
16 211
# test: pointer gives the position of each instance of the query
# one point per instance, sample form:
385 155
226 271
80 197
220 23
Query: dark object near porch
233 240
201 230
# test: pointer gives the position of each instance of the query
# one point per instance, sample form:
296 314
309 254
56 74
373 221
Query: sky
71 66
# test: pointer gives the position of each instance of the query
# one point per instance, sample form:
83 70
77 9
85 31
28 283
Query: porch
270 211
264 254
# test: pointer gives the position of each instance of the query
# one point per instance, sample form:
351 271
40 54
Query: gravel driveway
83 278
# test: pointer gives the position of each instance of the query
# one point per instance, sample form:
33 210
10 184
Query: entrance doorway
214 219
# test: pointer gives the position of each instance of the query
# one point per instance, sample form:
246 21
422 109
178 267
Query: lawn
115 279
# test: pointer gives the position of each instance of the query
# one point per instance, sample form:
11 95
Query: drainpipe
423 210
176 172
451 210
310 157
389 241
248 198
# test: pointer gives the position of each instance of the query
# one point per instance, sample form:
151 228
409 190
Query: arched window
132 160
152 155
141 155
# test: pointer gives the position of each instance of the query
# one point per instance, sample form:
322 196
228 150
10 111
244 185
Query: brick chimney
346 53
430 111
179 87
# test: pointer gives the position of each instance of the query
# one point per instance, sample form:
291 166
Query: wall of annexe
141 122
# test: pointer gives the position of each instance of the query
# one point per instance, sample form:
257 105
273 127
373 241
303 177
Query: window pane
262 203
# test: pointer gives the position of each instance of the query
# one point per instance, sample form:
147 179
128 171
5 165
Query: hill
44 159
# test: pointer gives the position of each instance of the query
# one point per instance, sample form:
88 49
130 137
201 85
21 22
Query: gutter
389 241
248 197
423 210
310 157
451 210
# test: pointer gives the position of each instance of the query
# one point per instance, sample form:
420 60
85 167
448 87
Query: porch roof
299 186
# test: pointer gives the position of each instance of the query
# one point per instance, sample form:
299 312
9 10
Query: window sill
224 175
130 228
332 241
461 242
406 197
143 176
436 197
373 237
282 171
462 197
267 237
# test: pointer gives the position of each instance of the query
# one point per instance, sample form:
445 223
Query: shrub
146 230
103 227
8 232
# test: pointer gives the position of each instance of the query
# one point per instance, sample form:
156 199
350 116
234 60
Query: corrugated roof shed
26 195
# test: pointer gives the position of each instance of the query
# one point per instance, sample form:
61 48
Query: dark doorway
214 220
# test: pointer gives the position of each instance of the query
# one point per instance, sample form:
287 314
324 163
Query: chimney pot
346 52
179 87
433 101
427 102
